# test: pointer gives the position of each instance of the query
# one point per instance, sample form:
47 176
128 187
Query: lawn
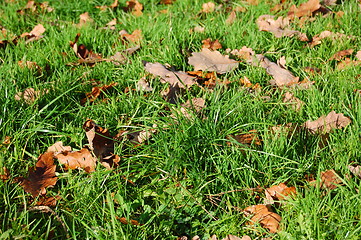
167 146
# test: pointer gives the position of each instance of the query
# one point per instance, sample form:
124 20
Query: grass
186 161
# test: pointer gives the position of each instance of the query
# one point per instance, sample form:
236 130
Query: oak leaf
42 176
305 9
326 124
77 159
338 56
278 27
134 7
174 78
208 60
212 45
264 216
278 193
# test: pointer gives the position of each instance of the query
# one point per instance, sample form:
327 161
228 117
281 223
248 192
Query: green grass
186 160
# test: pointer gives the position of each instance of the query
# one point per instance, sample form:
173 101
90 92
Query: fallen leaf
135 37
95 93
195 105
86 56
197 29
58 147
122 57
114 5
208 60
42 176
77 159
35 34
29 95
325 124
125 221
7 140
281 77
84 20
264 216
29 64
317 39
278 193
341 54
134 7
329 2
137 137
278 27
110 25
355 169
348 63
166 2
305 9
101 143
244 53
295 102
231 18
232 237
212 45
330 179
47 201
358 55
208 7
174 78
143 85
248 138
5 175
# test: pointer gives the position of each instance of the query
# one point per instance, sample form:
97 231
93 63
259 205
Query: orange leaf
278 192
212 45
263 215
78 159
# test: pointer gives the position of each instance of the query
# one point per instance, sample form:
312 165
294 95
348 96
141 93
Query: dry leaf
296 103
122 57
212 45
278 27
77 159
137 137
35 34
278 193
231 18
143 85
305 9
348 63
111 6
95 93
208 7
47 201
358 55
208 60
325 124
244 53
264 216
135 7
247 138
84 19
174 78
197 29
6 174
135 37
355 169
125 221
329 2
101 143
195 105
86 56
330 179
317 39
42 176
29 64
29 95
341 54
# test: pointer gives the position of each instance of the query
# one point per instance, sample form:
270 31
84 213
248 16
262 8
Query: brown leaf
317 39
264 216
348 63
195 105
47 201
135 37
330 179
114 5
29 64
295 103
174 78
29 95
125 221
95 93
84 20
101 143
281 77
355 169
305 9
35 34
278 27
247 138
208 7
6 174
122 57
278 193
358 55
77 159
58 147
232 237
326 124
243 53
7 140
166 2
42 176
86 56
134 7
144 85
137 137
208 60
212 45
341 54
231 18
